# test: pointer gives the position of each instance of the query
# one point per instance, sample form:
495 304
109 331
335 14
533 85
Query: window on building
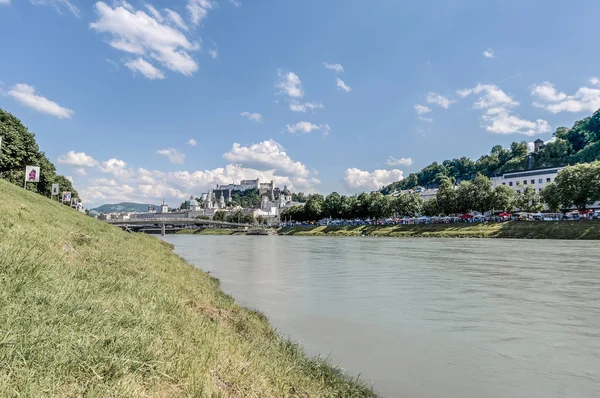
524 182
503 183
510 183
548 179
540 181
532 182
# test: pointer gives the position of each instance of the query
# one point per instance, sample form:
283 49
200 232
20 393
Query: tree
551 197
381 206
430 207
332 207
503 198
19 149
363 206
527 199
446 198
313 208
480 193
579 185
219 216
299 197
248 218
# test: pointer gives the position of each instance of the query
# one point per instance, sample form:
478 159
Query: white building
538 178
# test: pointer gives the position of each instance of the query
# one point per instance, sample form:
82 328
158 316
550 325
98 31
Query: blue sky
337 95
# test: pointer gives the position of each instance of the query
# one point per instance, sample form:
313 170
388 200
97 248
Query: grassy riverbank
515 230
88 310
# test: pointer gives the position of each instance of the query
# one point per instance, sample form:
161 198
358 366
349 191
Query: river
426 317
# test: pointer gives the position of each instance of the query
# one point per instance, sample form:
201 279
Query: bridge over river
163 222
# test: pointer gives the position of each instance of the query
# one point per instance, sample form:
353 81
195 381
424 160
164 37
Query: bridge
163 222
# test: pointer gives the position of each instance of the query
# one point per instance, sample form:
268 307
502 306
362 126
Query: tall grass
88 310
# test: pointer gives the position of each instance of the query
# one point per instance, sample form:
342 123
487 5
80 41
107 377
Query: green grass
514 229
88 310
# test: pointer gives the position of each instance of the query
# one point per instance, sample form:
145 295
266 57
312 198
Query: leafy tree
248 218
332 207
527 199
363 206
578 185
249 199
299 197
503 198
551 197
313 208
219 216
481 193
381 206
431 207
19 149
446 198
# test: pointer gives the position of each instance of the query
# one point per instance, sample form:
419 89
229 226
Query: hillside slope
88 310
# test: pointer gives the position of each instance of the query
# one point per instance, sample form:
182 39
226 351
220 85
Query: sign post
66 197
54 191
32 174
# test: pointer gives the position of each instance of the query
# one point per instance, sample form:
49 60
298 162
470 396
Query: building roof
286 191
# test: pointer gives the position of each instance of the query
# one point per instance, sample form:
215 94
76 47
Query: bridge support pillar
163 229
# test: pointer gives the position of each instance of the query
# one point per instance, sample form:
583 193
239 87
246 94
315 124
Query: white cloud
69 178
334 67
296 106
235 3
173 154
290 84
57 4
493 96
422 109
307 128
198 9
360 180
155 13
343 86
176 19
116 167
113 64
595 81
192 142
25 94
136 32
498 118
80 159
426 119
81 171
547 92
435 98
489 53
500 121
145 68
392 161
266 160
213 53
267 155
4 2
585 99
255 117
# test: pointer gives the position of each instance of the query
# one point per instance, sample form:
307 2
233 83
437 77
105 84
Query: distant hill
122 207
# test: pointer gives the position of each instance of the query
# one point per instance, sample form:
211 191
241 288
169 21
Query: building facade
537 178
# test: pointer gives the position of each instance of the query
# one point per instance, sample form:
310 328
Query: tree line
576 186
578 144
20 149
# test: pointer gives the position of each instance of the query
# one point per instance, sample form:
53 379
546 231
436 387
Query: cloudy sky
143 100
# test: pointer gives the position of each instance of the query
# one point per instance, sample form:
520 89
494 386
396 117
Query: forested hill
19 149
578 144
